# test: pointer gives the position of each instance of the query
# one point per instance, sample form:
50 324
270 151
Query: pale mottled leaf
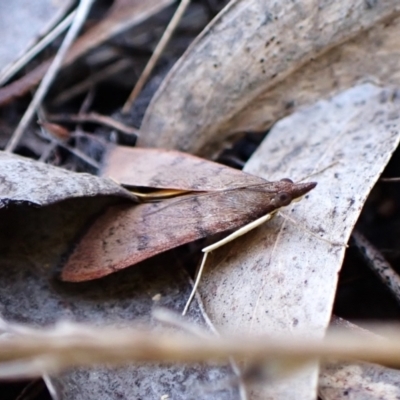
243 54
23 180
280 277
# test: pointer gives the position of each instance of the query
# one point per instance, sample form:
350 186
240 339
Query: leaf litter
340 62
123 15
307 292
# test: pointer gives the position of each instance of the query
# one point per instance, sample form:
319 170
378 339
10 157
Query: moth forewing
125 235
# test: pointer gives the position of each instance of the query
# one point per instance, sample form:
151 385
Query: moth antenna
320 171
309 231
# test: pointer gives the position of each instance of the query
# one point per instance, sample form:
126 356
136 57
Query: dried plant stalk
31 352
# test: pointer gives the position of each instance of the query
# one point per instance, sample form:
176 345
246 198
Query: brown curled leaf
170 169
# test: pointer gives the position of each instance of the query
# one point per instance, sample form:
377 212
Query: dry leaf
251 47
281 277
372 56
168 169
26 181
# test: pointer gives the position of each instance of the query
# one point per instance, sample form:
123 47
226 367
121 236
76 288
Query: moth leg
196 283
241 231
310 232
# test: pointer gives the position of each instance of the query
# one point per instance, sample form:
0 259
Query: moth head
291 192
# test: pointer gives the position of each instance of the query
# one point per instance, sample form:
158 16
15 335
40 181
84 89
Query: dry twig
32 352
378 264
80 17
162 44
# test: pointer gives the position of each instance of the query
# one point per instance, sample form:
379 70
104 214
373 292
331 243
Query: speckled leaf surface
372 56
219 85
280 277
358 381
23 180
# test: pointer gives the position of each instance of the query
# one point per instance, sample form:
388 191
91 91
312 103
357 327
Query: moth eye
286 180
283 199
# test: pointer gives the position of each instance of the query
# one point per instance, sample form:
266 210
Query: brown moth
213 198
